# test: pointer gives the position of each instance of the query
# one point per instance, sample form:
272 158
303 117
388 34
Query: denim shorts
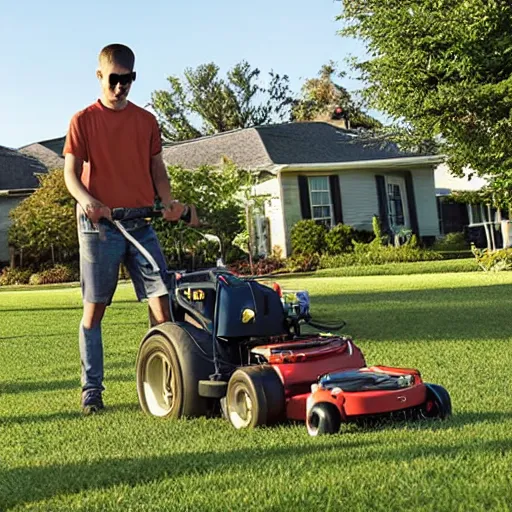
103 248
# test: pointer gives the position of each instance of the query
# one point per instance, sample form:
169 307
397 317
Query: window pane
320 198
317 212
396 210
477 213
318 183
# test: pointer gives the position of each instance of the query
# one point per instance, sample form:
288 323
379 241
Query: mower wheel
438 403
324 418
169 368
255 397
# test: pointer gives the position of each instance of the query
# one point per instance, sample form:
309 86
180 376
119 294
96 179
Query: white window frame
330 218
400 182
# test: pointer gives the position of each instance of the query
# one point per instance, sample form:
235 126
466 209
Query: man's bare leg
159 309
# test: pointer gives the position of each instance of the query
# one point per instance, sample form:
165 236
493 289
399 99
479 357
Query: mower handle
145 212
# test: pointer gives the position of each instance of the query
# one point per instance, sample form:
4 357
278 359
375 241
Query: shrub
451 242
339 239
302 262
308 237
375 254
495 261
11 276
56 274
262 266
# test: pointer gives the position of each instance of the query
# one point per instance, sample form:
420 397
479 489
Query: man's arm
172 209
93 208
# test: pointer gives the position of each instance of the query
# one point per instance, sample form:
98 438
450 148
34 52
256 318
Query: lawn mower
236 347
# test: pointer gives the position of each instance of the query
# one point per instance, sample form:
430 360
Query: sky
49 50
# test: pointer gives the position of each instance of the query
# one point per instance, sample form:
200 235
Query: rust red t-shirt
116 147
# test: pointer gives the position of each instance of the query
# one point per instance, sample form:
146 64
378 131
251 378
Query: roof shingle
262 147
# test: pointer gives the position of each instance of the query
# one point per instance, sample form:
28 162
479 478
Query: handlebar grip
145 212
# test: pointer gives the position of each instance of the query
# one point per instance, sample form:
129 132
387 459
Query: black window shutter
383 202
411 201
334 182
305 205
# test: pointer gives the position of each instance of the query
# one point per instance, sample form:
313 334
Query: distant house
18 179
319 171
48 152
470 218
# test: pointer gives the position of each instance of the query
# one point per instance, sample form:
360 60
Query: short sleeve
156 142
75 139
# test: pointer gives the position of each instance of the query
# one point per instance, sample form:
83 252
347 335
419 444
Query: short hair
118 54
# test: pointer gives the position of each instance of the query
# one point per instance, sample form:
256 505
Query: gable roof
18 171
49 152
283 144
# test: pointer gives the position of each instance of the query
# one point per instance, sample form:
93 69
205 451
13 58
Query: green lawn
455 327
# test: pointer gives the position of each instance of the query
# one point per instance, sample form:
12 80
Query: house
484 225
323 172
48 152
18 179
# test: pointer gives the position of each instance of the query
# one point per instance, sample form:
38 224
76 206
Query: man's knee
93 314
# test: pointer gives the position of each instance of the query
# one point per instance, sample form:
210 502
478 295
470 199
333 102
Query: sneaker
92 401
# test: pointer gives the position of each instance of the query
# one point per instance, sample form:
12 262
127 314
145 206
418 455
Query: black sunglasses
128 78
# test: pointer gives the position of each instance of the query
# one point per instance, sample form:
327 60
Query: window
320 198
397 205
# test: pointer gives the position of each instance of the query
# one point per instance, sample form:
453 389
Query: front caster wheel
323 418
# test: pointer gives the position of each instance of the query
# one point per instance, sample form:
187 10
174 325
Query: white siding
274 212
6 205
359 198
291 205
426 206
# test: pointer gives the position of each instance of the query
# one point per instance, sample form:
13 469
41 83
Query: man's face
115 82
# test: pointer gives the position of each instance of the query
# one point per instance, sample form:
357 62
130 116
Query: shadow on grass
57 385
456 421
31 484
470 313
76 414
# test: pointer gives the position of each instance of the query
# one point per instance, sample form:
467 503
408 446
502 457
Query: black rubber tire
323 418
170 362
255 397
438 403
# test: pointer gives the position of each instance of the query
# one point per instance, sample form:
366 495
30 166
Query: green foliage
302 262
375 254
321 96
57 274
409 268
377 231
493 261
222 104
44 224
215 192
10 276
443 71
451 242
339 239
308 237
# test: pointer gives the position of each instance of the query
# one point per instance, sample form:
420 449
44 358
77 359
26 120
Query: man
113 158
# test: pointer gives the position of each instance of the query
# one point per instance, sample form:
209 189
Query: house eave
386 163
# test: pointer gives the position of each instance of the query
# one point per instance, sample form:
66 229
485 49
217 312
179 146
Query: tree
215 192
221 104
443 70
44 225
322 98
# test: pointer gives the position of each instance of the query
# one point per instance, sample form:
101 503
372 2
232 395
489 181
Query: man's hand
194 219
96 211
173 211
